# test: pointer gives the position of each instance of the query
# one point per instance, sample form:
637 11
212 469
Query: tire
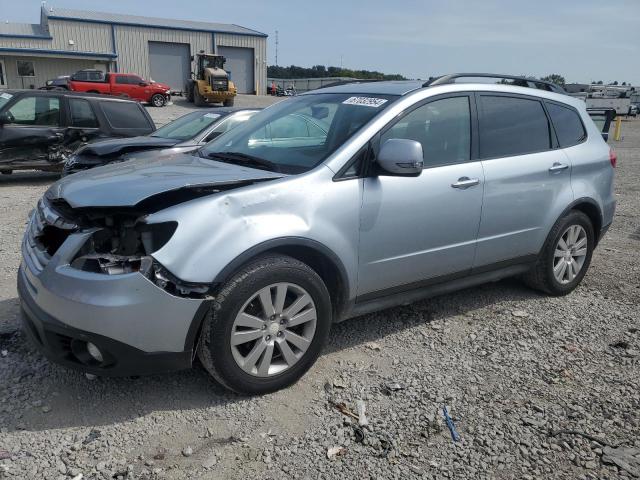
542 276
158 100
197 98
229 102
241 294
188 92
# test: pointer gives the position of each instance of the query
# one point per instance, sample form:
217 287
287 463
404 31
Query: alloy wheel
273 329
570 254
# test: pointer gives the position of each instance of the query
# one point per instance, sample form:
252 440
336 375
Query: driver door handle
558 167
465 182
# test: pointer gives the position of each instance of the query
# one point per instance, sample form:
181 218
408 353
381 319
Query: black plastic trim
263 247
445 279
447 284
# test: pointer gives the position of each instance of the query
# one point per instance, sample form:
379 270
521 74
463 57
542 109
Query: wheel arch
591 209
311 252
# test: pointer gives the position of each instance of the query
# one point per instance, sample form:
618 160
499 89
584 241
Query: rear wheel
158 100
566 255
267 326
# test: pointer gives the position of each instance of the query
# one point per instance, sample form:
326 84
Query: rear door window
82 114
512 126
567 124
124 115
35 110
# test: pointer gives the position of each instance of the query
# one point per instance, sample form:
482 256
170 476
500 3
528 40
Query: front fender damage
123 241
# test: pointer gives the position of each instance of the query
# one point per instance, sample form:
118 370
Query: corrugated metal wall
45 69
87 37
132 44
8 42
259 45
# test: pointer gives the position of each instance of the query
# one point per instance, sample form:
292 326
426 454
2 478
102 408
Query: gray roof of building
23 30
122 19
399 87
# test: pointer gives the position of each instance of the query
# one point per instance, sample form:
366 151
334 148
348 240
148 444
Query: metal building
159 49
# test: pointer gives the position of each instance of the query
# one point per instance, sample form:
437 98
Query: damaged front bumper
137 326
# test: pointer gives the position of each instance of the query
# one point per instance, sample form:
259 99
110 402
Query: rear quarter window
567 124
125 115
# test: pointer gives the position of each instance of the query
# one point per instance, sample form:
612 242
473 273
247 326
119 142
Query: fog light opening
88 353
95 352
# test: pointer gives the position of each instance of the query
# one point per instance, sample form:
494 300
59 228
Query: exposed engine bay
121 242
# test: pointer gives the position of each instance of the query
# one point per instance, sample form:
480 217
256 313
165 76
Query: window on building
26 68
512 126
35 110
443 127
82 114
567 124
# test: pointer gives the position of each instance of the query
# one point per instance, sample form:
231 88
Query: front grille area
219 84
45 234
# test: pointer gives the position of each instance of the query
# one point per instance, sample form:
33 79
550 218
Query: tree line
321 71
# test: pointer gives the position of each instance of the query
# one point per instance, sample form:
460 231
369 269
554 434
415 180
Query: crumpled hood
117 146
129 183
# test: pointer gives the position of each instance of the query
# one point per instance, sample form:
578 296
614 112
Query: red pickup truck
123 85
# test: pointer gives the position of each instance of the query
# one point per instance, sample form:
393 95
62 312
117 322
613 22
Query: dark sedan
185 134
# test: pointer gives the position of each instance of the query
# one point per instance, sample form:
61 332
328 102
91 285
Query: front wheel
267 326
229 102
565 256
158 100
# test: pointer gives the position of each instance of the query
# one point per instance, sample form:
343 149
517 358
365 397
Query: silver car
326 206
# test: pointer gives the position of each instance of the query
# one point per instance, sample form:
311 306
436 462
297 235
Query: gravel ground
517 371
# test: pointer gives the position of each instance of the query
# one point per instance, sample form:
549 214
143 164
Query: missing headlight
124 245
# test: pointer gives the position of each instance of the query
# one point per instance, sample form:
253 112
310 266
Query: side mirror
4 119
401 157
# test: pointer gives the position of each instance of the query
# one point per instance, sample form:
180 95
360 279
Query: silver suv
326 206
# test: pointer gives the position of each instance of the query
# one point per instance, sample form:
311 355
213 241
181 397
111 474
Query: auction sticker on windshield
6 96
211 115
365 101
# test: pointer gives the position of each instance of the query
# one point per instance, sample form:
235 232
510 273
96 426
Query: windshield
295 135
4 99
213 62
188 126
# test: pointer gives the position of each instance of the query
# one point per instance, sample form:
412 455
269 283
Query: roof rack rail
518 81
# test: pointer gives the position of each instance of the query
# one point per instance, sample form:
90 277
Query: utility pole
277 48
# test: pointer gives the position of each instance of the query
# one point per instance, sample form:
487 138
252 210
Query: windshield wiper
242 158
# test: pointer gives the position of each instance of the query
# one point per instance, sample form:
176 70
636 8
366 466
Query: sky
582 40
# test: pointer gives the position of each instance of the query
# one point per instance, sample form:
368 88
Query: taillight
613 157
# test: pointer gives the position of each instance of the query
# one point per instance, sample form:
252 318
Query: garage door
240 65
170 63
